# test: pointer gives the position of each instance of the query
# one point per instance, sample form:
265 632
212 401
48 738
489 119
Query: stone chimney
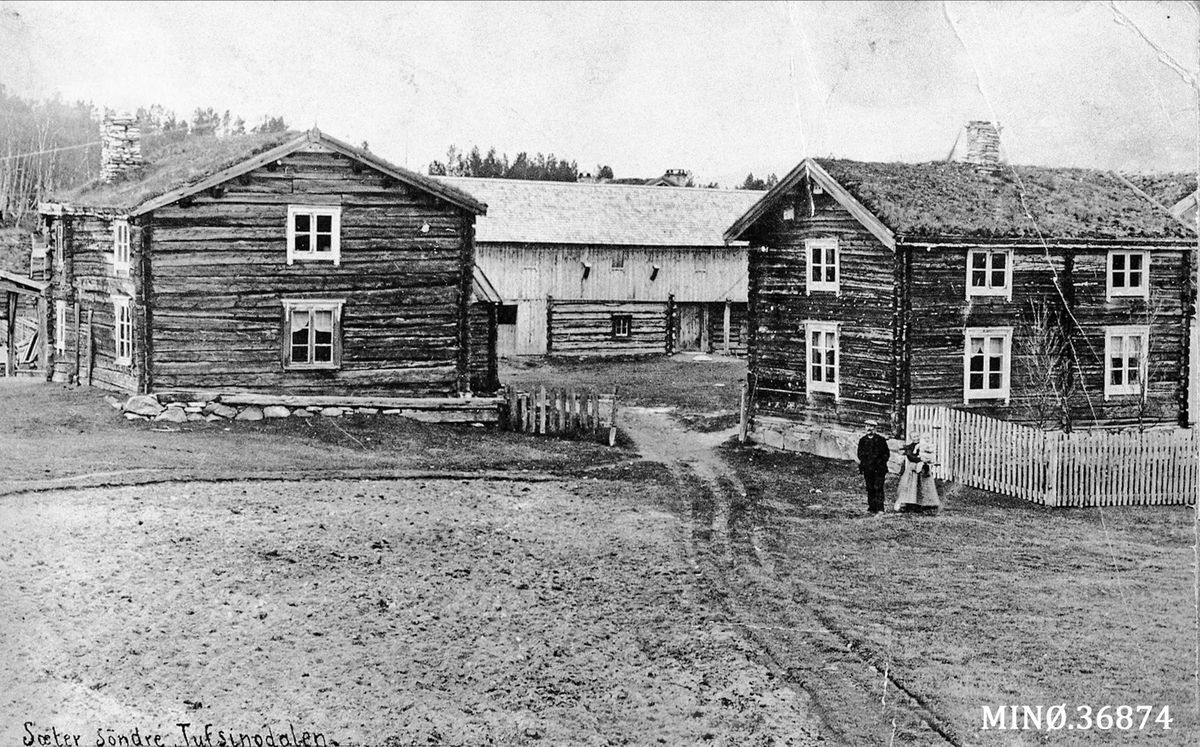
983 145
120 148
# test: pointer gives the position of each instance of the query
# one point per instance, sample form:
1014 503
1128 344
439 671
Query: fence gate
1086 468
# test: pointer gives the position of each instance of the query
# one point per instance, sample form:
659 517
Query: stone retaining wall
148 407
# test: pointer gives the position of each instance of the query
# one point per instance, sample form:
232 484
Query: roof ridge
623 187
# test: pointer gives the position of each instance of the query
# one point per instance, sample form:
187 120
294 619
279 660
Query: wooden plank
410 403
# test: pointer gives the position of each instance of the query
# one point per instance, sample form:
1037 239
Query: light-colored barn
598 269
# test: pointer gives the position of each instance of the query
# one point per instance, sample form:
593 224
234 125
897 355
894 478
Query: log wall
940 313
87 281
219 272
865 309
585 328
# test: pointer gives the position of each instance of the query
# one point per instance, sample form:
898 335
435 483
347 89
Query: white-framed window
60 326
823 353
789 212
314 234
622 326
989 272
1126 350
59 243
312 333
618 262
987 363
1128 273
123 329
121 253
821 260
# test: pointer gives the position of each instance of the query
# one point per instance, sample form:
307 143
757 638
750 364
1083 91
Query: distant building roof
522 211
177 167
1169 189
957 199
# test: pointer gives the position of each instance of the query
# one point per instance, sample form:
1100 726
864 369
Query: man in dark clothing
873 456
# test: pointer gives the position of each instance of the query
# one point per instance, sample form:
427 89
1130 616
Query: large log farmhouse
270 263
1053 296
606 269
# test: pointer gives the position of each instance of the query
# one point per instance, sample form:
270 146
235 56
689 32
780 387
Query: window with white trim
823 354
123 329
1126 350
989 272
121 251
987 361
821 260
59 243
312 333
622 326
314 234
618 262
1128 273
60 326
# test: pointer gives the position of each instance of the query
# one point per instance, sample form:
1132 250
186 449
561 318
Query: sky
718 89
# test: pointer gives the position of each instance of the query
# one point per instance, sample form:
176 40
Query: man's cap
872 422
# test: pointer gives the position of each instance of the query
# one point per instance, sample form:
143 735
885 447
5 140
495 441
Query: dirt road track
772 603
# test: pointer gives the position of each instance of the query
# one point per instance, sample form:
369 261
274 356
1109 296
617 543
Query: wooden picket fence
562 412
1085 468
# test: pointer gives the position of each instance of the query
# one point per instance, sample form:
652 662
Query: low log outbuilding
1060 297
270 263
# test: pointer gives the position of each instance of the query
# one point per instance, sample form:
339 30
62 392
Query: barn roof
522 211
940 199
176 168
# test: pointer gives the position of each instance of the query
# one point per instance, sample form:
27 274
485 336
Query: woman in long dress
917 490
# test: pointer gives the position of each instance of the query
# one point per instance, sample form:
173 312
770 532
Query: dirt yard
407 612
493 588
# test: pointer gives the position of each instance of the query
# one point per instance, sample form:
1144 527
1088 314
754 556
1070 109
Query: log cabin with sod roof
276 264
1057 297
608 269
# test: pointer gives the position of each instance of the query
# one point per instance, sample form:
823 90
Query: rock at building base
331 412
367 411
172 415
253 412
220 410
276 411
143 404
135 416
194 416
302 414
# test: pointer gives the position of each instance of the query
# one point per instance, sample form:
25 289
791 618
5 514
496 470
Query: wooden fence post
742 421
612 421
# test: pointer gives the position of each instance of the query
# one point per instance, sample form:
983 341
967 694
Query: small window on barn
120 228
312 333
1128 273
987 361
622 326
821 259
60 326
789 212
823 357
123 329
314 234
618 262
507 314
989 272
1125 354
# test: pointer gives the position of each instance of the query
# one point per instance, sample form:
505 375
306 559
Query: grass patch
63 432
993 602
693 387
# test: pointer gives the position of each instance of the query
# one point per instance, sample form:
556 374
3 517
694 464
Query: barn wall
526 274
585 328
219 273
864 308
